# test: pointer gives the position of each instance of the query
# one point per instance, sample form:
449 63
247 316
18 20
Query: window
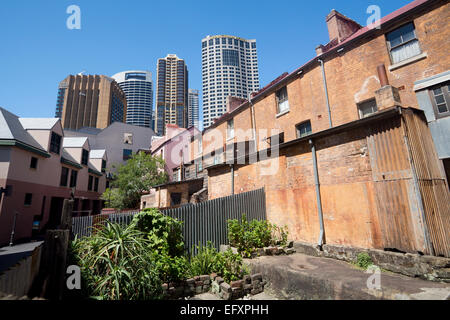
175 198
127 154
55 143
303 129
440 98
199 165
28 199
282 100
200 144
103 165
84 157
96 185
403 43
64 177
230 57
367 108
90 181
73 179
33 163
230 129
128 138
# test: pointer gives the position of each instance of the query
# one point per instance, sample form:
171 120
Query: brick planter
237 289
268 251
187 288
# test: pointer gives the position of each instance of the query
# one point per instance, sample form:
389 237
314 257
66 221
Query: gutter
24 146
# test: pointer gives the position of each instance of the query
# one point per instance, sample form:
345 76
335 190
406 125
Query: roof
38 123
330 47
97 154
74 142
12 129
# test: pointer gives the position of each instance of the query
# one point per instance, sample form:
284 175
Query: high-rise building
138 88
193 108
90 101
171 93
229 67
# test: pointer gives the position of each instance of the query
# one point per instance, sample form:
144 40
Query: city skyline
280 48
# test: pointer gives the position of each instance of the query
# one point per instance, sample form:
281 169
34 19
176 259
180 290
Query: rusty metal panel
431 180
399 219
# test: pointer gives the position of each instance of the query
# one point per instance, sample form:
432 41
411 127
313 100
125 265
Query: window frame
230 129
297 127
358 106
390 48
66 177
30 202
277 96
445 88
84 157
34 163
55 144
73 179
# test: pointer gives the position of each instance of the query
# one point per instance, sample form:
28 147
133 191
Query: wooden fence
202 222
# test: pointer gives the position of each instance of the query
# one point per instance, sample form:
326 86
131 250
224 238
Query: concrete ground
304 277
210 296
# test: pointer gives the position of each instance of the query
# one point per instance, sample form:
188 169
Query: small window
127 154
55 143
64 177
367 108
175 198
403 43
303 129
28 199
90 182
96 185
73 179
440 98
128 138
282 100
200 166
33 163
230 129
103 165
276 139
84 157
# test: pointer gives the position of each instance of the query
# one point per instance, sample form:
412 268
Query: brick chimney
233 103
387 96
340 27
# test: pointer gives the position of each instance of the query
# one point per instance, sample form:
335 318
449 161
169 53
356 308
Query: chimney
319 49
340 27
233 103
387 96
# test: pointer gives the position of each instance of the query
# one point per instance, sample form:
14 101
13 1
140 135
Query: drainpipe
319 200
11 239
232 179
252 110
326 90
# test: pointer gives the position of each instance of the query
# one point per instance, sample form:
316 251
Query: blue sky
37 50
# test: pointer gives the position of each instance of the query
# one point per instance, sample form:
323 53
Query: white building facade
229 67
193 108
138 88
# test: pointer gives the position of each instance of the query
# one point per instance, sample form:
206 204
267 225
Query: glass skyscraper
193 108
138 88
229 67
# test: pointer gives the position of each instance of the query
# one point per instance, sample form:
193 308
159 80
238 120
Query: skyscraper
193 108
229 67
171 93
90 101
138 88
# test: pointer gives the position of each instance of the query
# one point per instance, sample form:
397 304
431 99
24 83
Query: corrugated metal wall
203 222
431 180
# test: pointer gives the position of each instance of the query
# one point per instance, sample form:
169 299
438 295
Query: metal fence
202 222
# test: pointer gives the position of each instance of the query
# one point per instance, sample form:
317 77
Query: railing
202 222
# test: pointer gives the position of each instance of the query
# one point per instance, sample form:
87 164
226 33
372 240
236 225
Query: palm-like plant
117 263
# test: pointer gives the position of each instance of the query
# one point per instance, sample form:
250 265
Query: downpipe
321 240
326 90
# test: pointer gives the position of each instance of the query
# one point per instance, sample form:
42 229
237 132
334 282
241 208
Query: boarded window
367 108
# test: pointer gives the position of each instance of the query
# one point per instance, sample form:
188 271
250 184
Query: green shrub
164 232
247 236
363 260
205 262
117 264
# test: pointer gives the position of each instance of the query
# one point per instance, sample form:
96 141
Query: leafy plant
118 264
164 232
363 260
205 262
231 266
247 236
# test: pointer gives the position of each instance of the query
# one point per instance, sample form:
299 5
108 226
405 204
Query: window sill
282 113
403 63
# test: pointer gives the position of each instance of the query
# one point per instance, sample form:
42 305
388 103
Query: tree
141 172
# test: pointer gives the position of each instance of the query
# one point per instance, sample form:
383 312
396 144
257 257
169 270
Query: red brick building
353 160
